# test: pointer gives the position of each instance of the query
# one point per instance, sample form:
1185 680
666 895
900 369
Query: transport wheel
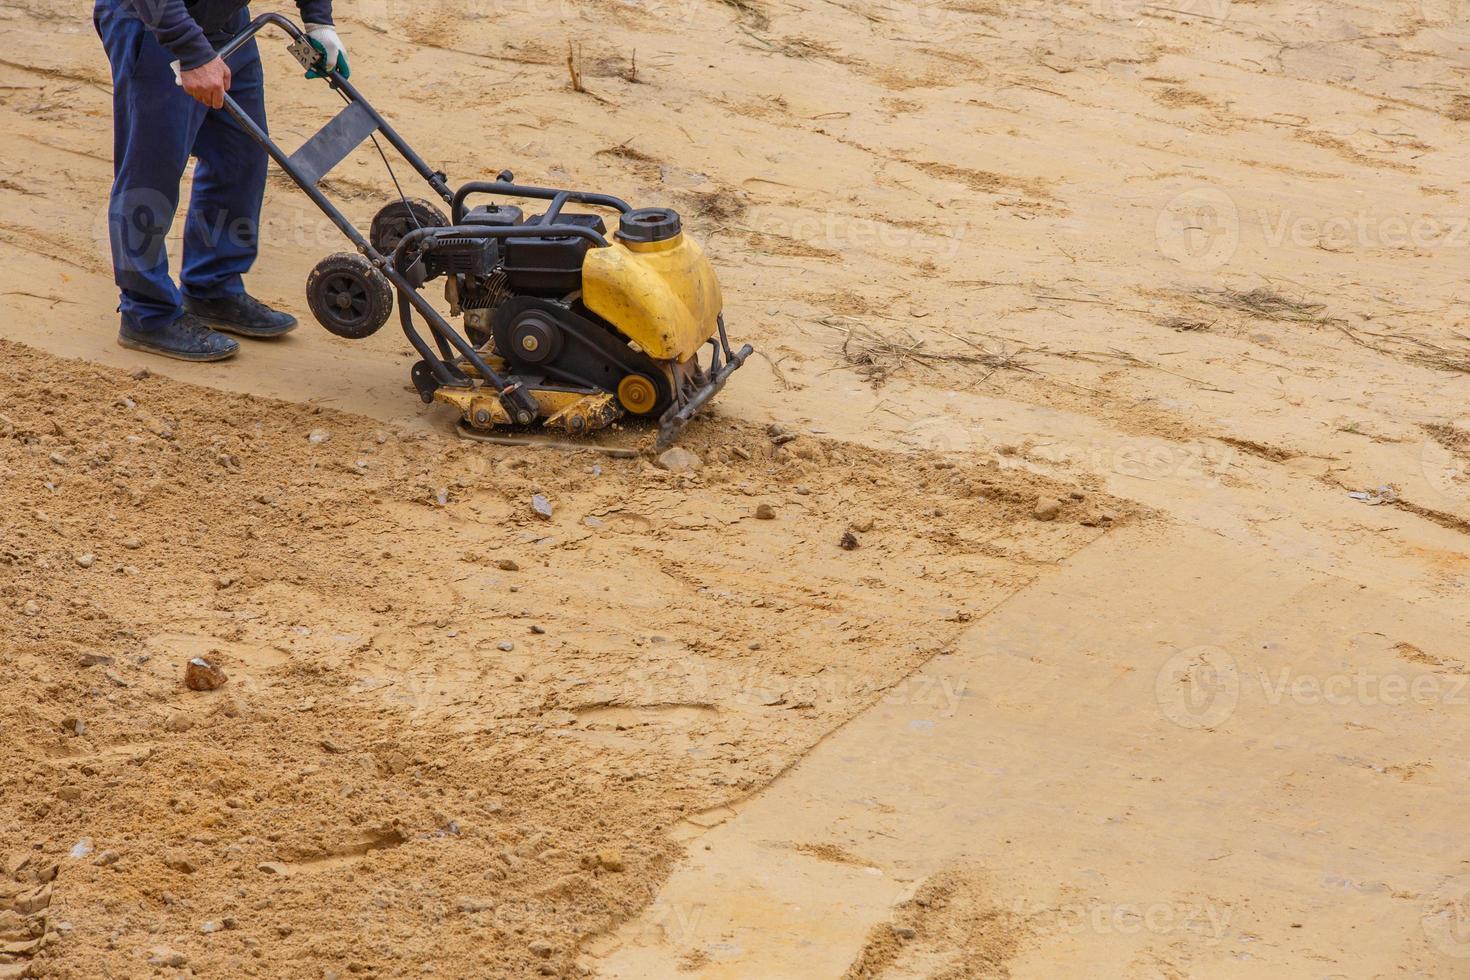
401 217
348 296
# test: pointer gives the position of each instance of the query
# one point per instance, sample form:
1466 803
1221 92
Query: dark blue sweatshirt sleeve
315 11
170 22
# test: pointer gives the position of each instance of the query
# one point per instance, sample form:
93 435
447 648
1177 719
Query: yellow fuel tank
663 295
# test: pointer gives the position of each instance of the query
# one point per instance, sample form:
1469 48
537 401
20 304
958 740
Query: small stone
58 459
537 630
541 948
94 660
1047 508
849 541
541 507
904 932
610 859
179 861
86 559
505 645
201 675
272 868
106 859
163 956
765 512
74 726
30 609
318 436
81 849
679 460
225 580
208 927
508 565
178 722
142 374
475 905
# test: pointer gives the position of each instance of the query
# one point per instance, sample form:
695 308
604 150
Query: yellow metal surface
576 412
663 295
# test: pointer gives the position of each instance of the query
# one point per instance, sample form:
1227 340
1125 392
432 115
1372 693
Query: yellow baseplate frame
576 413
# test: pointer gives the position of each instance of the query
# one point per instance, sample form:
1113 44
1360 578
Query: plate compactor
565 327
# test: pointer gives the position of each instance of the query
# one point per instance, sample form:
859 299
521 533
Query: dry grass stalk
878 357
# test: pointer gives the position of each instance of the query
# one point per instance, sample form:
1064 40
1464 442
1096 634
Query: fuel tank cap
650 225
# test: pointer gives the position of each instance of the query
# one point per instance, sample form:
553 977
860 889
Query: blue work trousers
157 126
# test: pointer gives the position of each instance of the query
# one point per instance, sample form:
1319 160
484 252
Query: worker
168 89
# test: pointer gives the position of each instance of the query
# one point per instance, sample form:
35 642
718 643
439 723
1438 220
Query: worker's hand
324 38
208 83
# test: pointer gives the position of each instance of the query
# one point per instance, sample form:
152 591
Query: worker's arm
176 30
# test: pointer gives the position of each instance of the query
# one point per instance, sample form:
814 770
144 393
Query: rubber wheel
348 296
401 217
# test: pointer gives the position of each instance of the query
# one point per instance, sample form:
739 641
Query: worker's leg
221 233
154 124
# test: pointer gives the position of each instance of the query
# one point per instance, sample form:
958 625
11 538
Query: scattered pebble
106 859
132 544
201 675
541 948
508 565
537 630
1047 508
610 859
505 645
541 507
86 559
272 868
765 512
904 932
81 849
180 862
163 956
30 609
75 726
679 460
58 459
849 541
318 436
94 660
178 722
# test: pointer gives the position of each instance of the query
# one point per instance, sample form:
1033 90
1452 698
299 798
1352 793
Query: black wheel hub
535 338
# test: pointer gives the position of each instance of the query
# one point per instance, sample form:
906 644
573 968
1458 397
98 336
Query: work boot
241 314
186 339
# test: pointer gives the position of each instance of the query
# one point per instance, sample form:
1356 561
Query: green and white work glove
324 38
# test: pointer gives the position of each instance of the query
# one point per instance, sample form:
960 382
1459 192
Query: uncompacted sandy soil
453 731
1195 270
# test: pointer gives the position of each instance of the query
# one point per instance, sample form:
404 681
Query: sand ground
1192 269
